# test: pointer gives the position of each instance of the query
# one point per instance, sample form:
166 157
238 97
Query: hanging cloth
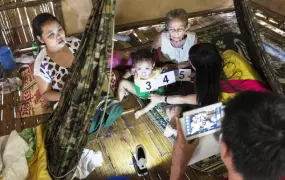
69 123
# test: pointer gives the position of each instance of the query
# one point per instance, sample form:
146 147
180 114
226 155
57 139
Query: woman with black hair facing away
52 65
217 78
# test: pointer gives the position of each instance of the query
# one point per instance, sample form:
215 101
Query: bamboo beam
269 15
58 12
268 12
24 4
137 24
268 31
132 25
279 25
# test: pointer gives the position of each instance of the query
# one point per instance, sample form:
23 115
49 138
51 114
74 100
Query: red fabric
244 85
114 78
121 59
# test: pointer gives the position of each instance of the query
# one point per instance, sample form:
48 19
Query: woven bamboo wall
16 23
16 19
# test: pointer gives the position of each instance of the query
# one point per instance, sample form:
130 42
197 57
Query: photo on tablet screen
202 121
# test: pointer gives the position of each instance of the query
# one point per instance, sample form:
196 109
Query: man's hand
181 154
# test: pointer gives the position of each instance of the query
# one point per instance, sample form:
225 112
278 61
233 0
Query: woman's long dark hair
40 20
208 63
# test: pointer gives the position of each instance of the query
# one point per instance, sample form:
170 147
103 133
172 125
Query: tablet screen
202 121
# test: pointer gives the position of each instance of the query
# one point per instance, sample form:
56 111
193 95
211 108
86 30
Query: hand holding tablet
202 121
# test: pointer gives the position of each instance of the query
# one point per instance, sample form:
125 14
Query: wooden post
58 11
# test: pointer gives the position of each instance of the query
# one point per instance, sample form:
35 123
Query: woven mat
225 35
31 102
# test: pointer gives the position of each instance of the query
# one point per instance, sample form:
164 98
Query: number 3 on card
148 85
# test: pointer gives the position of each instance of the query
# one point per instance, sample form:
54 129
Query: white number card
153 84
148 85
166 78
183 74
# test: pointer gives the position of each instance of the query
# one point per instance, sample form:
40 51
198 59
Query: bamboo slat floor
119 142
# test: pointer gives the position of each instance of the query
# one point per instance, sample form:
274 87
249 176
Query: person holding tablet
251 141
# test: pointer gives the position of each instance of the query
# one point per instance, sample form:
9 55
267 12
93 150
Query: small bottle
36 49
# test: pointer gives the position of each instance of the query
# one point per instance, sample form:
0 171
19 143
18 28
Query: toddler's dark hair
144 55
40 20
177 13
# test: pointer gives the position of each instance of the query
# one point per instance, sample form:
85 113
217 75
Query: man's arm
181 154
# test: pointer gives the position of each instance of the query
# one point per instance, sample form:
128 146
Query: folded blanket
13 163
